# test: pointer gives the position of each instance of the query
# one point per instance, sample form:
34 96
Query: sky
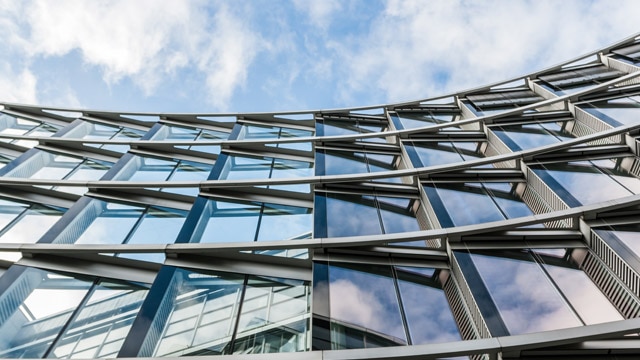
270 55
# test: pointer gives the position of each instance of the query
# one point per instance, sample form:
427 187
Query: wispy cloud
319 13
232 56
140 40
415 50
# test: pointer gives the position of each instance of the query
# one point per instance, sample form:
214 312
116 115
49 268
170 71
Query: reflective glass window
380 305
225 221
207 311
577 179
179 133
144 168
355 215
48 314
537 291
339 162
25 223
52 166
35 310
364 308
245 167
444 152
98 330
531 135
427 312
276 132
352 126
102 222
616 112
417 119
10 125
274 317
458 204
96 131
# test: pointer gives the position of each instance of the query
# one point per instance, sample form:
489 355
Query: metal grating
624 67
620 296
541 199
627 275
472 311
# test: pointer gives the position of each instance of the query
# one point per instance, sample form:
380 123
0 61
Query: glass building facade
497 223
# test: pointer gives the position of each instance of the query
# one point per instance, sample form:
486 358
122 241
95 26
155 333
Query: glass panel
24 225
356 215
590 304
351 215
189 171
411 120
425 306
279 222
438 153
276 132
274 318
157 226
536 292
460 203
243 167
124 134
111 225
202 309
503 99
343 162
352 127
364 308
99 329
526 298
397 214
10 125
177 133
579 178
35 310
621 111
230 222
527 136
102 222
52 166
576 78
202 314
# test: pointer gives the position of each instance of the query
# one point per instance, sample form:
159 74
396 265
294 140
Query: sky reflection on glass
497 201
541 293
225 221
356 215
579 178
366 299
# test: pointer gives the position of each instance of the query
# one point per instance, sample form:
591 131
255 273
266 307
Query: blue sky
268 55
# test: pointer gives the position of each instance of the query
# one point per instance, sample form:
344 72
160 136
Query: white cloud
145 41
414 51
319 12
17 86
227 55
